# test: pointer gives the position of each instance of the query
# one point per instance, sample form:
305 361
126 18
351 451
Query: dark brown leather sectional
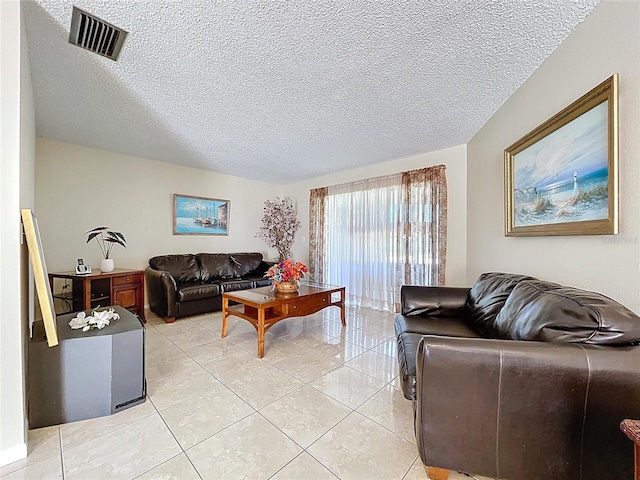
519 378
188 284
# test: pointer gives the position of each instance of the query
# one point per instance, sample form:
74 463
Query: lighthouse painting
562 178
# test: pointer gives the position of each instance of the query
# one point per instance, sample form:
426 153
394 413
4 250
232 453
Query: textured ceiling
258 88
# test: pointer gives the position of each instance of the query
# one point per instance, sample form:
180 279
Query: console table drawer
127 280
311 305
125 298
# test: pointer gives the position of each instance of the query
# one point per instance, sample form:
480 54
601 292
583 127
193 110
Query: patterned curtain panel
374 235
317 219
424 227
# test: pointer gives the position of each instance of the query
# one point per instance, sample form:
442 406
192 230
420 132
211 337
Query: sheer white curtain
374 235
361 236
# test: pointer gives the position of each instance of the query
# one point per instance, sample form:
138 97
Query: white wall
16 187
27 200
608 41
79 188
455 161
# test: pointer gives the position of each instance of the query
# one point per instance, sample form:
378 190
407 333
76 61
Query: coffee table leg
260 332
342 319
225 316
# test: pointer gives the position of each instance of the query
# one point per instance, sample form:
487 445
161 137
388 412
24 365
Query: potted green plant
106 239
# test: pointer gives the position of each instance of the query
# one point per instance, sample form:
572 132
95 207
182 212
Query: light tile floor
324 403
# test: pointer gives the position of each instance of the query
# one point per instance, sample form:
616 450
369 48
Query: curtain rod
382 177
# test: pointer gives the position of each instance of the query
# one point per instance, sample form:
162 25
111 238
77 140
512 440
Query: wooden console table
631 429
121 287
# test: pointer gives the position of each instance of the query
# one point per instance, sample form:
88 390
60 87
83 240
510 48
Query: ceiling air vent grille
96 35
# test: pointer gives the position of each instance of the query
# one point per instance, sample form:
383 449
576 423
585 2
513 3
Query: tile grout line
61 453
317 439
411 466
183 451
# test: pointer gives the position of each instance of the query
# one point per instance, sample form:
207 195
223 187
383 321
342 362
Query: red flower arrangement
287 271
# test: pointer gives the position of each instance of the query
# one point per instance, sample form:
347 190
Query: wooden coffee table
263 307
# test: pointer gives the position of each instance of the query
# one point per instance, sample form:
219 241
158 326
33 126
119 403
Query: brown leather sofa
518 378
188 284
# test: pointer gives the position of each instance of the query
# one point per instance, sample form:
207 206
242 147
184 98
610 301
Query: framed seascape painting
562 178
200 216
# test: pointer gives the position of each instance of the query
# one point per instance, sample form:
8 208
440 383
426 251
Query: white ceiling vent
94 34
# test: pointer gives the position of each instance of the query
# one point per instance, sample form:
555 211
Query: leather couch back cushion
183 268
244 263
544 311
215 266
487 297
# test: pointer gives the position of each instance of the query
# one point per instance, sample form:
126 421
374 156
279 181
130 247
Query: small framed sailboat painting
562 178
200 215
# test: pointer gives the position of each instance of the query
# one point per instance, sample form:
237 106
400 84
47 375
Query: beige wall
608 41
79 188
453 158
16 187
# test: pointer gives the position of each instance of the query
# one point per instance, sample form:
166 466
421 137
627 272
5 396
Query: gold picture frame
562 177
43 288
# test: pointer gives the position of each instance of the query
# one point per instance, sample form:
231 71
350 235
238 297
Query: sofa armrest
436 301
497 407
161 292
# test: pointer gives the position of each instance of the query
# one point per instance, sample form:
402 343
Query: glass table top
269 295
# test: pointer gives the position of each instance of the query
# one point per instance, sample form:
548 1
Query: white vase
106 265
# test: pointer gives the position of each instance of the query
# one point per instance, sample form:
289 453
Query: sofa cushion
549 312
244 263
183 268
434 301
235 285
188 291
258 280
263 282
487 297
215 266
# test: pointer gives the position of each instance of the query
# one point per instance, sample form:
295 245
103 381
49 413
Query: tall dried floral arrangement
279 225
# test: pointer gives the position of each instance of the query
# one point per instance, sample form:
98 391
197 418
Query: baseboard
13 454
